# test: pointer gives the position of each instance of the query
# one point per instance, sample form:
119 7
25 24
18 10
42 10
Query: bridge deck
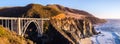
15 18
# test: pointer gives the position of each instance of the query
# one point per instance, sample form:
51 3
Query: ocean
110 32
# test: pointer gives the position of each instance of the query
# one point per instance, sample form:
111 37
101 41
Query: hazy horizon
108 9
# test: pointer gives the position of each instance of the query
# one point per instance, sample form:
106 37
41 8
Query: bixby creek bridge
20 25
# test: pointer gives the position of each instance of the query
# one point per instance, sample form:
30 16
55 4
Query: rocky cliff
65 24
73 29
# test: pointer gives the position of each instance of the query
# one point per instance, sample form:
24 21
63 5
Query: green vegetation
4 32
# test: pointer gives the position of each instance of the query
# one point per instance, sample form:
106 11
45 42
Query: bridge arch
28 23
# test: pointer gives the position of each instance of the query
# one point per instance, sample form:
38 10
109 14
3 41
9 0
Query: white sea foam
104 38
110 33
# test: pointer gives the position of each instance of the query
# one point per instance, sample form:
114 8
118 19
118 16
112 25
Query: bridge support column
19 26
8 24
42 27
12 25
2 22
5 23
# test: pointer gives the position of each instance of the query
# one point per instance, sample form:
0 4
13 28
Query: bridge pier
11 25
40 28
8 24
2 22
19 26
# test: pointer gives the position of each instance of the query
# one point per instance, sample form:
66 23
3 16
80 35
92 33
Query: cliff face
73 29
72 24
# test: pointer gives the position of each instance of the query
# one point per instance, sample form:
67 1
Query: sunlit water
110 32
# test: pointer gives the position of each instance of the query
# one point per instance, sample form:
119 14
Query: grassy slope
8 37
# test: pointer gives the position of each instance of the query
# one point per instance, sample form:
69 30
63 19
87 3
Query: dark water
110 32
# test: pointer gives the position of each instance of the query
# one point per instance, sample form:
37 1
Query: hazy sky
99 8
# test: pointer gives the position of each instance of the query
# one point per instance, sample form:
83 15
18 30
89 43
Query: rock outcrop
73 29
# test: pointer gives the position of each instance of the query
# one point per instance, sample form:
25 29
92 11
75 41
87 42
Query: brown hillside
31 10
77 14
8 37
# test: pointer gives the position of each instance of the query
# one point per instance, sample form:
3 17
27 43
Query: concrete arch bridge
20 25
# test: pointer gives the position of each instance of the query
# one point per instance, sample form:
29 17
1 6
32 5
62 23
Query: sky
98 8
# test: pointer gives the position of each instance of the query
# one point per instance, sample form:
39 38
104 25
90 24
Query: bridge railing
15 18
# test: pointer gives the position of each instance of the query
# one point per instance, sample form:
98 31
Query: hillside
37 10
65 26
31 10
77 14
